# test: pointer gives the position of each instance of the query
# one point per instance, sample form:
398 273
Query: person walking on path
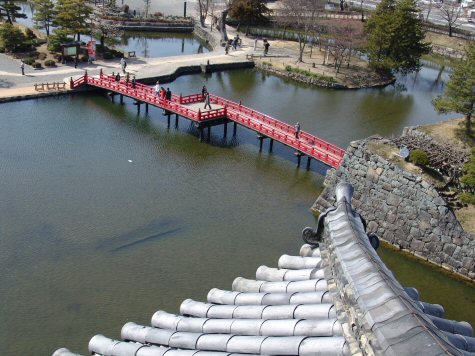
123 64
22 67
297 130
266 47
207 101
255 44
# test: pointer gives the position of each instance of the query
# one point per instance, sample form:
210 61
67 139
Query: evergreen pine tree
459 95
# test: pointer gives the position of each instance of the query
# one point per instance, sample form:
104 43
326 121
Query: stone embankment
402 209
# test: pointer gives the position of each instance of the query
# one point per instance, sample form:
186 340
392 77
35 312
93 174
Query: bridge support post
176 121
146 108
234 129
261 140
121 99
271 145
209 133
225 129
309 159
299 158
200 133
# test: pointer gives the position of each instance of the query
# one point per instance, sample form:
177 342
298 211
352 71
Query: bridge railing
286 138
311 139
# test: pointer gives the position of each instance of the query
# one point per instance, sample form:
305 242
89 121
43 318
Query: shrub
467 198
419 157
41 56
288 68
29 61
29 34
12 38
2 49
107 55
55 41
36 65
50 63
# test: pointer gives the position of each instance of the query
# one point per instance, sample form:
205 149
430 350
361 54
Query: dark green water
90 240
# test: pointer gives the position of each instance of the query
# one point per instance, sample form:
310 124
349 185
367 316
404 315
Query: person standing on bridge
157 89
297 130
203 92
127 78
168 94
207 101
134 82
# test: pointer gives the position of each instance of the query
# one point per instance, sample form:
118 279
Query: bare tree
301 15
147 7
222 19
103 28
450 11
428 10
346 37
212 12
203 7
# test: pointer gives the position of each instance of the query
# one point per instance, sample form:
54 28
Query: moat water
108 216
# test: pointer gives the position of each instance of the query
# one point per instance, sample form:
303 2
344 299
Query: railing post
71 83
100 73
199 114
181 98
85 76
225 110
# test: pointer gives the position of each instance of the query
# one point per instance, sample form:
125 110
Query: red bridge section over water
225 111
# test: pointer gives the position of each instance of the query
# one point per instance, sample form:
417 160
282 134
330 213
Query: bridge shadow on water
183 138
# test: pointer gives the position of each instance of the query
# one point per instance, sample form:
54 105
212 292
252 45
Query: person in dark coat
168 94
207 101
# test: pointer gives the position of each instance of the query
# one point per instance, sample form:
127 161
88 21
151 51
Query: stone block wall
402 209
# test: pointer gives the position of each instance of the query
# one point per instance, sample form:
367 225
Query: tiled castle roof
336 298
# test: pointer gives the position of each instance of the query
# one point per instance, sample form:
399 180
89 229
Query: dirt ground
446 41
452 131
283 53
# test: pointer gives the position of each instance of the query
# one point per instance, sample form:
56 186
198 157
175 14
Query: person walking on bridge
168 94
207 101
297 130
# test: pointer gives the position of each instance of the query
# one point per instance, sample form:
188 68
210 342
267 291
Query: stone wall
209 37
402 209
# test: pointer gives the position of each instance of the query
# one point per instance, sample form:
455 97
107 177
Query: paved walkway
13 84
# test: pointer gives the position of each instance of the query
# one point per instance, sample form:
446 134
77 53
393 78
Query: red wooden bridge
224 111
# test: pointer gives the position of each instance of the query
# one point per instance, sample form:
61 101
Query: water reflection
151 45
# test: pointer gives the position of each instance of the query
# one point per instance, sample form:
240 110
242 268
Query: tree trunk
450 30
222 25
468 123
428 11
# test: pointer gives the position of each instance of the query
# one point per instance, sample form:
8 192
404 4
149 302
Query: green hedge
419 157
50 63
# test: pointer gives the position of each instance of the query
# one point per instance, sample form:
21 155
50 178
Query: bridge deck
192 108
